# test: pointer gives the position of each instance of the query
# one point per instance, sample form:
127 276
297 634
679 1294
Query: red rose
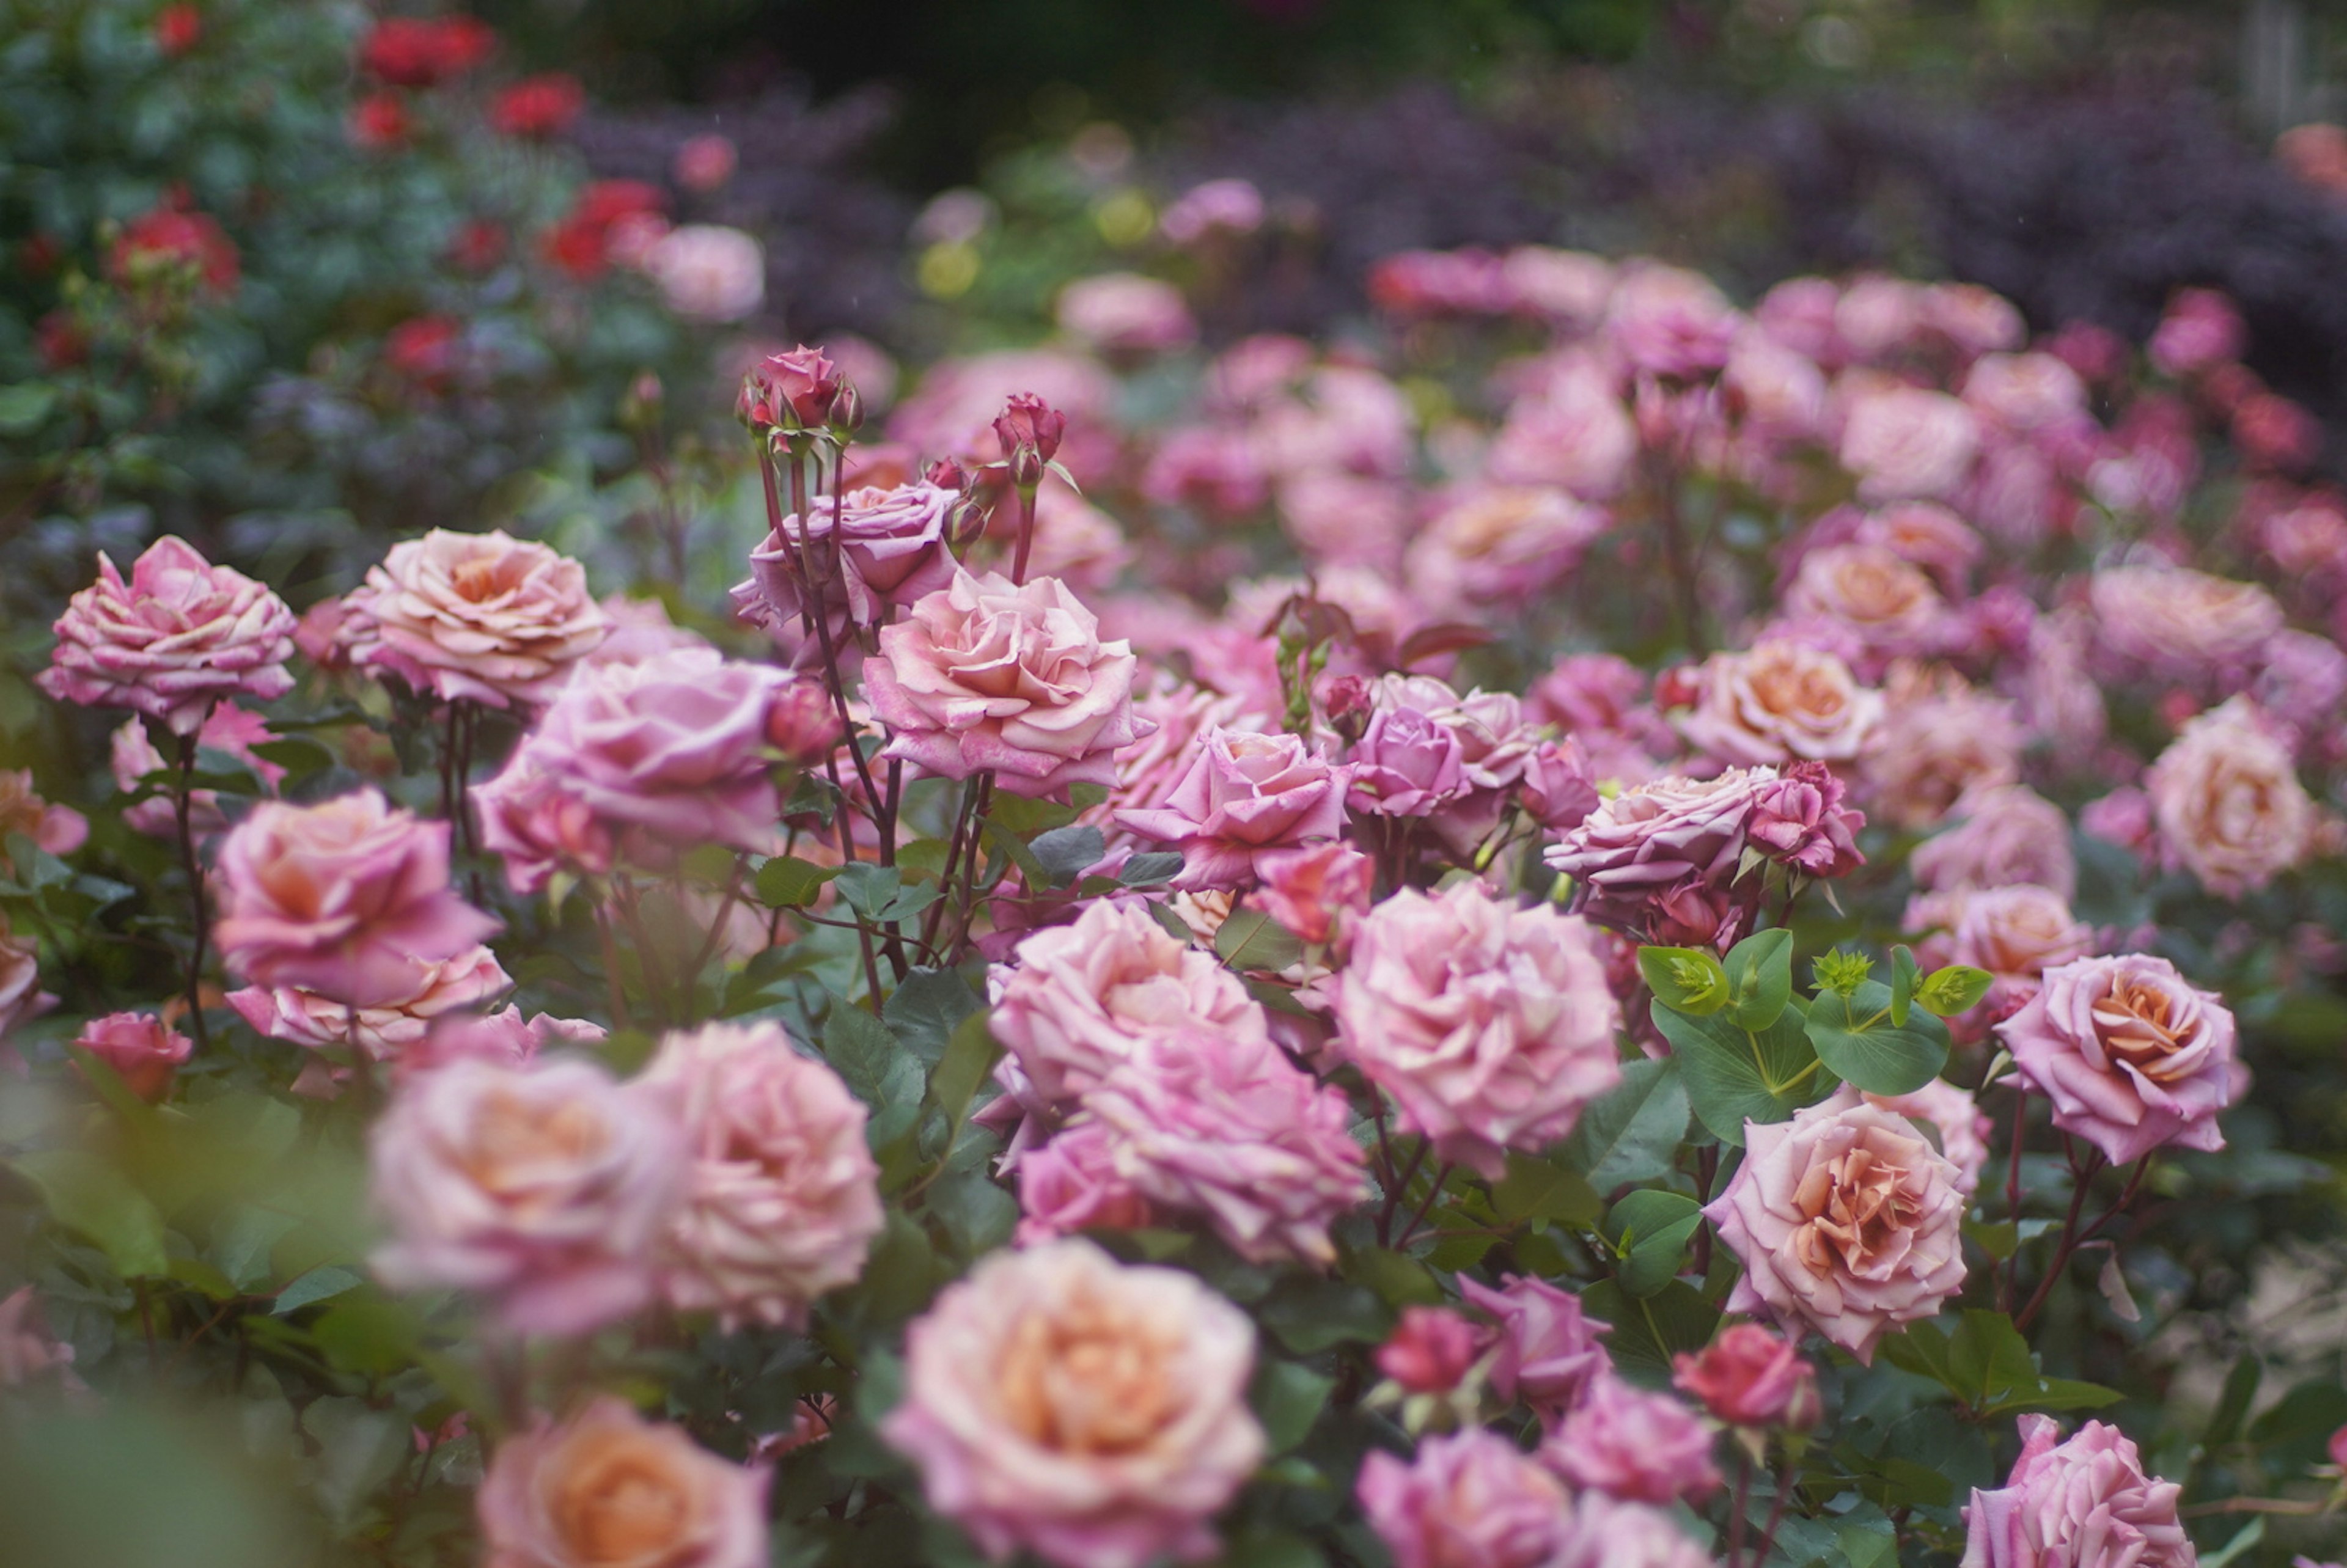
176 29
419 52
378 122
539 107
165 237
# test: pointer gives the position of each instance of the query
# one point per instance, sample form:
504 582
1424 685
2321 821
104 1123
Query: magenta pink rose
606 1487
1637 1446
545 1188
180 635
2132 1055
1799 822
2084 1503
1846 1219
877 547
783 1198
487 617
1244 793
987 675
344 899
143 1050
1471 1499
1549 1352
386 1030
1657 837
1095 1414
1490 1026
1319 893
1072 1183
1430 1350
1749 1376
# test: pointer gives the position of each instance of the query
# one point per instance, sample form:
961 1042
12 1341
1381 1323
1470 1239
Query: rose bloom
545 1188
2015 932
1490 1026
1602 1533
343 899
1570 431
1124 312
1904 443
988 675
1750 1376
27 1348
1406 763
131 756
180 635
422 52
2086 1503
54 829
708 273
2005 835
1319 893
2025 391
1941 740
386 1030
1082 996
1845 1218
607 1489
1226 1126
2132 1055
1628 1443
1548 1349
21 997
1655 837
1923 532
1244 795
169 243
1780 702
537 106
1094 1414
1885 598
783 1199
1231 205
1503 545
142 1050
2180 622
1567 288
2229 808
1430 1350
1963 1127
1471 1499
1670 321
486 617
1072 1183
504 1038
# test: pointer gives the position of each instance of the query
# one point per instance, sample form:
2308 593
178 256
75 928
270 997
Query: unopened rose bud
1028 422
754 407
966 522
1676 688
1430 1350
1027 468
804 382
1749 1376
948 475
802 724
846 417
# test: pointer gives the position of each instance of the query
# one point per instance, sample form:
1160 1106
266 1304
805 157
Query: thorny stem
182 803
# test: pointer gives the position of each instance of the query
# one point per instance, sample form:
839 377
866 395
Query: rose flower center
513 1139
1084 1381
626 1510
1857 1206
2138 1027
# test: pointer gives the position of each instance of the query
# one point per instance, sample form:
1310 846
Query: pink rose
1845 1218
132 756
21 997
503 1037
1603 1533
487 617
1124 312
1749 1376
143 1050
1502 545
1565 288
1406 763
2132 1055
545 1188
387 1029
1084 995
1548 1350
1245 793
1658 837
1430 1350
1490 1026
1633 1445
876 549
782 1200
27 1348
988 675
1783 701
2086 1503
1318 893
1670 321
2015 932
1072 1183
2005 835
180 635
1223 1125
2177 622
1885 600
345 899
1799 822
1094 1414
54 829
1471 1499
794 389
2200 330
1903 443
1234 205
1571 431
1963 1126
2228 803
708 273
641 632
1940 740
607 1488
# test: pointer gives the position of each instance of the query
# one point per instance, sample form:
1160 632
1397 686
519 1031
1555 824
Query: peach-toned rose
1094 1414
1963 1127
1845 1218
2180 622
607 1489
385 1029
2003 835
2015 932
1875 591
54 829
1502 545
487 617
1941 740
783 1199
1904 443
1783 701
2087 1504
2226 796
141 1048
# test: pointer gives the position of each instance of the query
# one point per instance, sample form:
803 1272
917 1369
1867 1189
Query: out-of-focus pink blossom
2200 331
1471 1499
1430 1350
1571 431
2226 798
2173 621
1631 1444
144 1050
1230 205
1502 545
1125 313
132 756
606 1486
54 829
1549 1352
2005 835
1941 741
1072 1183
1669 322
1751 1377
386 1029
1905 443
1319 893
21 997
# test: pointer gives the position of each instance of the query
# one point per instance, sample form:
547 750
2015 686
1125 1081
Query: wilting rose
1502 545
386 1030
783 1199
2005 835
1490 1026
607 1489
1244 795
344 899
875 548
1094 1414
1124 312
487 617
1963 1126
708 273
1072 1183
1940 740
1783 701
1884 598
1635 1445
1658 837
143 1049
1082 996
2228 802
2180 622
2131 1055
181 635
1430 1350
545 1188
1224 1126
1749 1376
1845 1218
2086 1503
1471 1499
988 675
1904 443
1548 1349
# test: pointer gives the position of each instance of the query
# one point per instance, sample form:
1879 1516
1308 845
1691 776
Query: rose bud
144 1050
1030 425
804 382
1749 1376
1430 1350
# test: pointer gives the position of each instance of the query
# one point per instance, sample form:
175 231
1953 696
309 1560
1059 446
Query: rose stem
182 803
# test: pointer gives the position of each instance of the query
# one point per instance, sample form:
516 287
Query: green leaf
1398 1279
1287 1399
1649 1229
1685 979
1857 1042
1649 1330
1903 982
877 893
1309 1316
1260 1546
1065 852
1632 1132
1950 991
1987 1365
927 1007
976 1212
1537 1189
1153 869
1251 939
1024 816
883 1074
2233 1404
969 1057
1733 1076
1760 977
85 1194
318 1284
24 406
787 882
